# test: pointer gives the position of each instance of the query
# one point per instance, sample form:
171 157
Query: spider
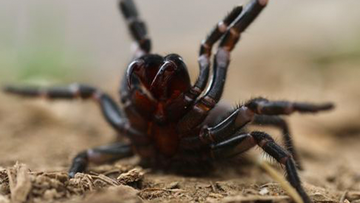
174 125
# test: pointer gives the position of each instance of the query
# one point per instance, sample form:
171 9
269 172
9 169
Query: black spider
175 125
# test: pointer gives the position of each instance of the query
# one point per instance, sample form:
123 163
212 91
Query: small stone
264 191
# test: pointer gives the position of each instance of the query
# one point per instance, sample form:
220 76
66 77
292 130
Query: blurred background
296 50
73 41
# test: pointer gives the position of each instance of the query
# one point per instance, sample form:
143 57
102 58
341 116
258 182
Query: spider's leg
243 142
136 27
206 46
108 106
244 115
239 143
220 29
220 132
99 155
110 109
201 108
281 124
263 106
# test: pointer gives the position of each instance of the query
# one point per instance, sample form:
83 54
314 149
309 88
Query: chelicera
172 124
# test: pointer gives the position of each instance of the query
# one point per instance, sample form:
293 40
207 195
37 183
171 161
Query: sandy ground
39 138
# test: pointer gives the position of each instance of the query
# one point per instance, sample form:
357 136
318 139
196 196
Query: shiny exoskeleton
172 124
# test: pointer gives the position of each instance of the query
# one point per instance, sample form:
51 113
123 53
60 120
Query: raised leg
201 108
281 124
189 97
136 27
243 142
99 155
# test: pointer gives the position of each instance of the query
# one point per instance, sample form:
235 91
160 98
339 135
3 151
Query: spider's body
153 87
173 124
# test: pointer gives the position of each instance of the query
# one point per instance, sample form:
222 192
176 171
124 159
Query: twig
279 178
343 197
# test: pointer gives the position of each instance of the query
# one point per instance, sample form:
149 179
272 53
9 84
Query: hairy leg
281 124
245 114
240 143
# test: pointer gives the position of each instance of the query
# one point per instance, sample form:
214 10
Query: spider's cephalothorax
173 124
152 88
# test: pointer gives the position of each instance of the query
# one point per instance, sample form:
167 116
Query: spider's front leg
202 107
243 142
187 98
136 27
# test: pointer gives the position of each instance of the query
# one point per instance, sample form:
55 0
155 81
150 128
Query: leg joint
268 144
